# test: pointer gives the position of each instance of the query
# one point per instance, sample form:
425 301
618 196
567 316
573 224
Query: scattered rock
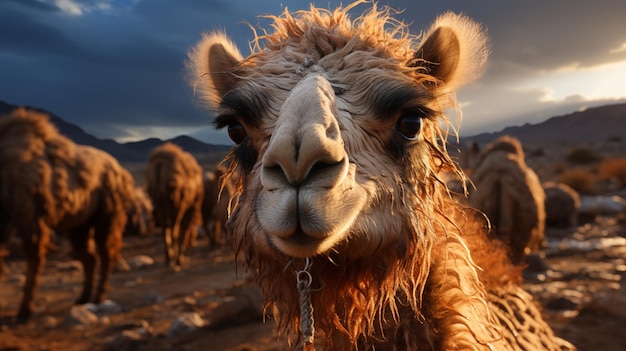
140 261
106 307
69 266
121 265
128 325
80 315
186 323
151 298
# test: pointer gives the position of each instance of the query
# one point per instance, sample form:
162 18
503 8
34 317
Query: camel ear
454 50
211 67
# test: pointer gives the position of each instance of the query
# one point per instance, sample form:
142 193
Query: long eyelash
421 111
222 121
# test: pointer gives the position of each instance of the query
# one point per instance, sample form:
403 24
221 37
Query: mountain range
137 151
591 125
594 124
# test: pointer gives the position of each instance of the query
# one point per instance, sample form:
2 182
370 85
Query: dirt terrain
581 292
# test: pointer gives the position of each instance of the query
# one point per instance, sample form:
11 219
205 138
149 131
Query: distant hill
124 152
591 125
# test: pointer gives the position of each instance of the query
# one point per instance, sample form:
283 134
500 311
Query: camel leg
169 245
108 241
84 252
218 232
35 246
187 236
176 233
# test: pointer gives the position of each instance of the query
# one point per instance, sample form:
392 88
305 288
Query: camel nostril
323 165
273 176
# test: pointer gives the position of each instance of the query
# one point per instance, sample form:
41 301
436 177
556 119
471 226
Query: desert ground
211 304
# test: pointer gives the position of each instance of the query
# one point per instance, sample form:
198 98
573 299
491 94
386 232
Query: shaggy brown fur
562 205
339 162
140 215
174 181
511 196
49 183
217 194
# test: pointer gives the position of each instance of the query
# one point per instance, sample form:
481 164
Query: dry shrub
614 169
583 156
580 180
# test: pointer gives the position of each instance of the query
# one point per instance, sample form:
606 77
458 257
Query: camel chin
310 221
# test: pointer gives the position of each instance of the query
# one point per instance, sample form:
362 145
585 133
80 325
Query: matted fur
174 183
218 191
400 264
49 183
562 205
511 195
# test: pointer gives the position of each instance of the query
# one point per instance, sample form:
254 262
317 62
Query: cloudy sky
116 67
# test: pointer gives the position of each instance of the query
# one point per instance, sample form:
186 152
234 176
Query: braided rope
303 284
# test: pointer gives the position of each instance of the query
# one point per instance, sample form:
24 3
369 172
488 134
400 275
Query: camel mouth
302 239
300 245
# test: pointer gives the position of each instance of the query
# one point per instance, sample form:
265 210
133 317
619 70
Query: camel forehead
311 95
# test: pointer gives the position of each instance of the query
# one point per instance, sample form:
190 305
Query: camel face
336 126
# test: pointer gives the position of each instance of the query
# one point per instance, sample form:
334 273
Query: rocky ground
209 305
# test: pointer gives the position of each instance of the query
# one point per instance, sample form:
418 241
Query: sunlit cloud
69 6
81 7
593 83
618 49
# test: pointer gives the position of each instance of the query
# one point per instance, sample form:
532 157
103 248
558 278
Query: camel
217 195
174 183
562 205
140 214
510 194
341 212
48 183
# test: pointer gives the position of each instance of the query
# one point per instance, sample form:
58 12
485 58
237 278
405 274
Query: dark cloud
22 34
114 70
32 4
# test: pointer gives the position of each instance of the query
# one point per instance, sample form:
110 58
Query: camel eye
409 126
237 133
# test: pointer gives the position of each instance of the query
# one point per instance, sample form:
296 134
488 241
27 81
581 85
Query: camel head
338 126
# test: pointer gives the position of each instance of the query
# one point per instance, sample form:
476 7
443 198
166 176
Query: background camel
510 194
562 205
342 213
174 182
48 183
215 205
140 214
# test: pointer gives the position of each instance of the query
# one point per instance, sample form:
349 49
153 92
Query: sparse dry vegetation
580 180
583 156
614 170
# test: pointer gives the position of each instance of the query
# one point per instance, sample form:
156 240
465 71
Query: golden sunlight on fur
174 182
48 183
510 194
339 161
